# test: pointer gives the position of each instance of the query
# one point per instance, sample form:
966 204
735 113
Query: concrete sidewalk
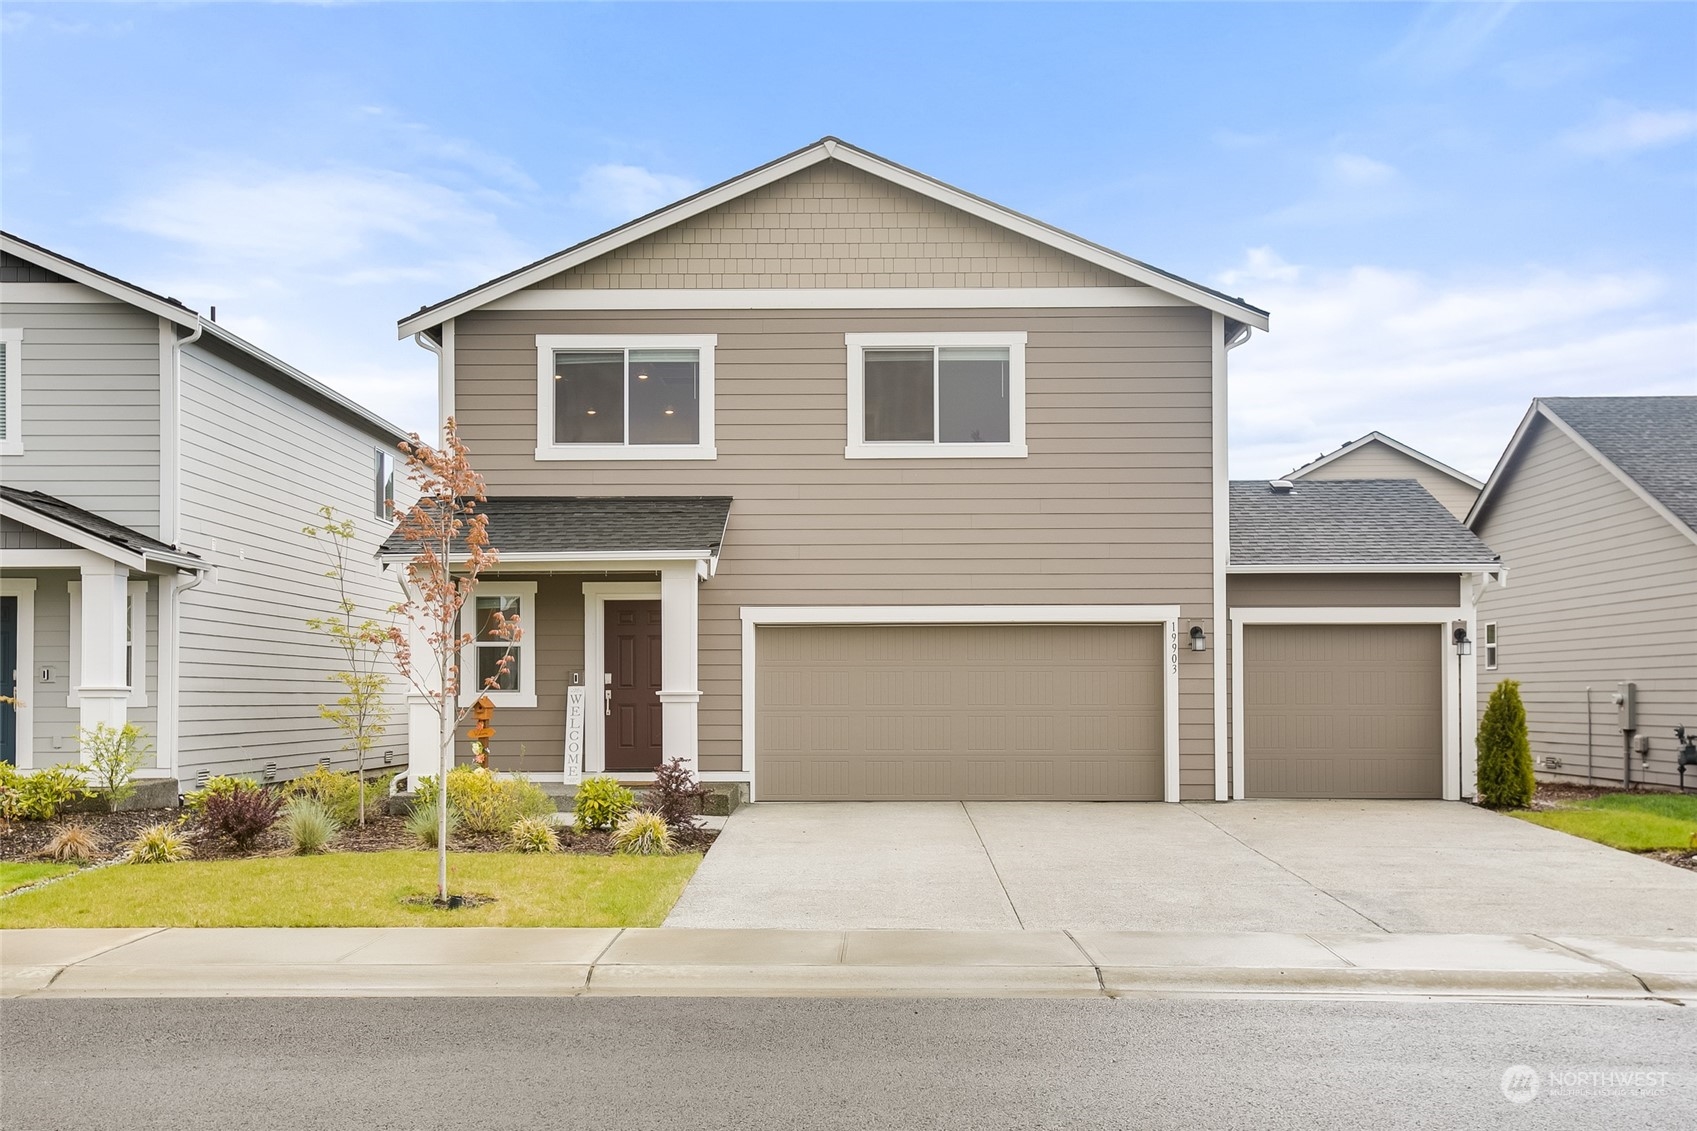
476 962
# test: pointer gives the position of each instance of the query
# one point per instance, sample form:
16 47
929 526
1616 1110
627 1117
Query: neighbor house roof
1354 523
827 149
85 528
1649 443
1379 437
619 528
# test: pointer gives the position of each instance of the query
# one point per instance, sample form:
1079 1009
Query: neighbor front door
633 681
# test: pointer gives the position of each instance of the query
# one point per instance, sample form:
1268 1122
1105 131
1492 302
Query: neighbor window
11 392
492 603
1491 645
936 395
639 398
383 483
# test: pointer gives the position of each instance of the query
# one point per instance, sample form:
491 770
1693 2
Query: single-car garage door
958 712
1343 710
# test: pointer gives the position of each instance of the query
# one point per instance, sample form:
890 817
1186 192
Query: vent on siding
270 771
200 779
324 763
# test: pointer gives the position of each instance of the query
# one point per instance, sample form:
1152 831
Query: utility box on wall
1626 701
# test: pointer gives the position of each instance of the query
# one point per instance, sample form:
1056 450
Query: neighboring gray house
1378 456
156 472
839 482
1594 504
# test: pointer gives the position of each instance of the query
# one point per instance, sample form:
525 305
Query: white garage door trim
1440 619
754 617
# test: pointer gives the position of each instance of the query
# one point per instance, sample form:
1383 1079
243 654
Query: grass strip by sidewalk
1635 822
15 875
362 889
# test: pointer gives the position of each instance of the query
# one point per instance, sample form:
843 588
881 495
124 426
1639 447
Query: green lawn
13 876
1636 822
362 889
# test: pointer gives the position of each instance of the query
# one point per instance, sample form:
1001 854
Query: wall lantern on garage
1198 639
1463 646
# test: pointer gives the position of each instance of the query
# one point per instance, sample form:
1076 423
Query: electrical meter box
1626 699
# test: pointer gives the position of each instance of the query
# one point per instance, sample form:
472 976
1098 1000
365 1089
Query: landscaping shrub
113 755
242 814
42 795
73 844
1505 752
641 833
601 803
158 844
219 785
340 792
485 803
421 823
309 824
533 835
676 796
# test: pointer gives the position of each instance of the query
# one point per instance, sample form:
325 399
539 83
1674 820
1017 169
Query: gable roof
826 149
73 524
1397 445
564 528
1363 524
1648 443
95 279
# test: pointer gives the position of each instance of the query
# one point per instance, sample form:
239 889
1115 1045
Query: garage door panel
1343 711
959 711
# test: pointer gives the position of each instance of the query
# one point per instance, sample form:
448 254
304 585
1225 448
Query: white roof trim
105 284
824 150
1376 567
82 539
1540 410
1380 437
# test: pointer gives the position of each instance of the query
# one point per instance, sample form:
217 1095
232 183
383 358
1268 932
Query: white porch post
104 691
679 695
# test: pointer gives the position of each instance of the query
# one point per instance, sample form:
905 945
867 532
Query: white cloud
1447 365
1620 128
1350 188
623 192
1446 38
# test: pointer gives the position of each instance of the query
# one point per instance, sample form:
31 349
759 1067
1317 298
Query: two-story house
156 472
839 482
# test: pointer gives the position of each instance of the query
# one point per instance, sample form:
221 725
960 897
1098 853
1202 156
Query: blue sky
1449 209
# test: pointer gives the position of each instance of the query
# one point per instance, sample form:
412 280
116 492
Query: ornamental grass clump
309 825
73 844
1504 767
158 844
421 823
241 815
642 833
533 835
601 803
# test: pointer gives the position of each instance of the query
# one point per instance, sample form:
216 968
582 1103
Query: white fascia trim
1382 567
794 163
842 298
1491 482
12 337
1380 437
68 533
77 273
1439 617
643 561
1167 616
23 714
529 623
1221 502
546 449
858 447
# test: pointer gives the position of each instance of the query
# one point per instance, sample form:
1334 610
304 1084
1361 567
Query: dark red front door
631 699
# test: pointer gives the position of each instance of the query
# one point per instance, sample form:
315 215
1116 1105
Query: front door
633 683
8 679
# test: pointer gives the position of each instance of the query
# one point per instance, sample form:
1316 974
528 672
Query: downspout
170 529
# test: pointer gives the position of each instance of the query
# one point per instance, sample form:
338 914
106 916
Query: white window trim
1488 637
547 449
383 482
859 447
138 642
13 444
23 588
525 695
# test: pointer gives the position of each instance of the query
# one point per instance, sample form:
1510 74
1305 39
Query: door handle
609 694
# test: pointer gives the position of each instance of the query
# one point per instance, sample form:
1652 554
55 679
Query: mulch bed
25 840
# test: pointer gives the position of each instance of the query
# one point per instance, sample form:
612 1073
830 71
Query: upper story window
383 483
11 392
601 397
1491 645
933 395
515 682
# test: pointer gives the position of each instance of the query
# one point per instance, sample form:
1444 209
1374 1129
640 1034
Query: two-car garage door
935 712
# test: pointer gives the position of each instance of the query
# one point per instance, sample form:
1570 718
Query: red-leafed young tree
449 541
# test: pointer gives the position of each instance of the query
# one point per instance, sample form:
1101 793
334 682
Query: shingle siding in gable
832 226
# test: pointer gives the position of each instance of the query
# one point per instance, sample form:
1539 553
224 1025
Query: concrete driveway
1296 866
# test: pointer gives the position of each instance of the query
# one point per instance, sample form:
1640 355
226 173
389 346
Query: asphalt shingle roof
87 521
689 525
1348 522
1652 439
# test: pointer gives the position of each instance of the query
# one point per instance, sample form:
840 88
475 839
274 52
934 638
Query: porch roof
577 527
88 530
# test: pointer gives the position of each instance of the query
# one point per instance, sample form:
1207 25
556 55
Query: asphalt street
610 1064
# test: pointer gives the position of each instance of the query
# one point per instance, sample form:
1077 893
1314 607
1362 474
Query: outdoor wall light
1463 646
1198 639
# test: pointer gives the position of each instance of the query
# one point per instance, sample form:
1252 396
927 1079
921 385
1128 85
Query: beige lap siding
1112 506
